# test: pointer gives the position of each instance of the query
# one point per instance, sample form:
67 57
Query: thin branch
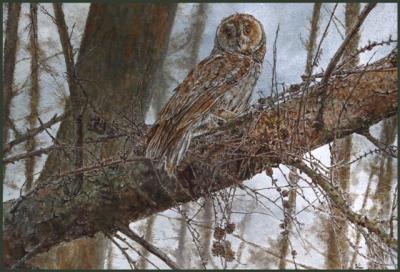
151 248
27 256
30 154
368 47
389 150
339 52
33 132
131 262
122 239
271 252
337 199
336 57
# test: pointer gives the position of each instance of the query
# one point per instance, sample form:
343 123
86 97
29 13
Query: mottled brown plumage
219 86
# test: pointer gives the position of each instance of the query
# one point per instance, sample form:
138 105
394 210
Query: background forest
278 218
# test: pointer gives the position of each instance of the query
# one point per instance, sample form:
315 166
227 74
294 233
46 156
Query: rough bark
108 83
10 51
33 93
75 95
119 193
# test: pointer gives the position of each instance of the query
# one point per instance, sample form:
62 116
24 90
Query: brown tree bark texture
122 48
122 193
33 94
10 50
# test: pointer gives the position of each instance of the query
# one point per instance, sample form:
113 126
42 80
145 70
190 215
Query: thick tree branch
243 147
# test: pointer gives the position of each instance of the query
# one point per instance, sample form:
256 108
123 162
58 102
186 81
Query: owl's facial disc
240 33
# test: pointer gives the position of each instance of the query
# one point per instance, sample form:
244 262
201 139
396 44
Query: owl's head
240 33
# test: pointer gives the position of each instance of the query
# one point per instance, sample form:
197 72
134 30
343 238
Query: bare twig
27 256
131 262
368 47
339 52
305 86
151 248
389 150
336 57
30 154
337 199
124 240
271 252
33 132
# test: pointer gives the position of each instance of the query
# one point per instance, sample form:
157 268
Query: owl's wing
170 137
203 86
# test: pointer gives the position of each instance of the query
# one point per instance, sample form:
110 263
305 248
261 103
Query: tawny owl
221 83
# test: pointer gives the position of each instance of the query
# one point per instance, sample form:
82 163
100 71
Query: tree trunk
382 201
312 38
122 48
206 233
289 212
125 190
34 94
10 51
337 247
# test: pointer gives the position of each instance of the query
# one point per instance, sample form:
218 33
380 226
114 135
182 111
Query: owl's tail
168 144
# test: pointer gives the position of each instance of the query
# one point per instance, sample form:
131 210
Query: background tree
104 183
102 52
10 49
337 247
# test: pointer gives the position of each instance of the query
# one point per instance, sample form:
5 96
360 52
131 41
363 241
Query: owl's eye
228 31
247 30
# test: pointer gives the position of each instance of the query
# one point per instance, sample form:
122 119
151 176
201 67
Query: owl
219 87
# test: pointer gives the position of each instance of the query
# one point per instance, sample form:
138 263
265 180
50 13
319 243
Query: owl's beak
243 40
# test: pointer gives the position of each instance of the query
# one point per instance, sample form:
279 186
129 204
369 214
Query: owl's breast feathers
205 90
